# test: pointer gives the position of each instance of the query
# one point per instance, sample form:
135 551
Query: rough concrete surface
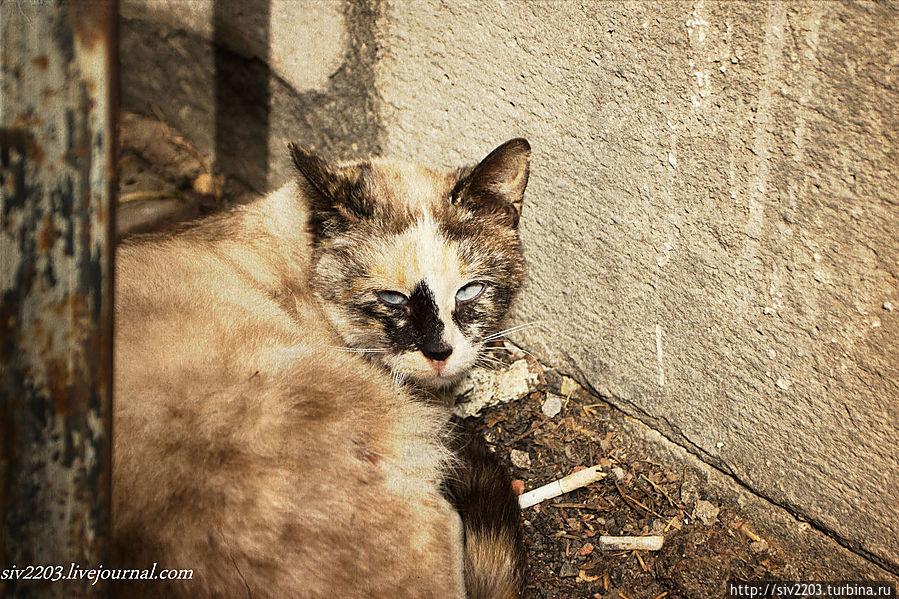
241 79
711 223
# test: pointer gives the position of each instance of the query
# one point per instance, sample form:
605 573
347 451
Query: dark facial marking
426 324
487 312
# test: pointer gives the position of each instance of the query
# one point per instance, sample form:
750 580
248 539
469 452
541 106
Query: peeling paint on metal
58 88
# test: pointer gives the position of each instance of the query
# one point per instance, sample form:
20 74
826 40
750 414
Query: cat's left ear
497 183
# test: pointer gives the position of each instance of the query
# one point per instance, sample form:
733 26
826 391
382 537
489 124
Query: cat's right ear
336 201
497 183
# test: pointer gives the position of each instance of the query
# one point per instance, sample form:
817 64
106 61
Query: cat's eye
392 298
470 292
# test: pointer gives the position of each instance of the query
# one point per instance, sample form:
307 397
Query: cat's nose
437 351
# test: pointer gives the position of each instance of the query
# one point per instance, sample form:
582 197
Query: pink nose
437 365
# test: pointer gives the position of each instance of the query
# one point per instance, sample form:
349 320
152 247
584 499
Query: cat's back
242 430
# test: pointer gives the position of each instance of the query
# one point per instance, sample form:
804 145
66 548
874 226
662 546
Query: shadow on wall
242 93
241 79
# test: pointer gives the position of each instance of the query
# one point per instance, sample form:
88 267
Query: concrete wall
711 225
242 78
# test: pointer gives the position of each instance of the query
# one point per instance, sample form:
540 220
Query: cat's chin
435 381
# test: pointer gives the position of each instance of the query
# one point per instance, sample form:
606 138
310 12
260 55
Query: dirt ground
548 429
705 545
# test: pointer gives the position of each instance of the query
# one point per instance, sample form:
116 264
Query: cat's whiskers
488 362
361 350
511 350
398 378
505 332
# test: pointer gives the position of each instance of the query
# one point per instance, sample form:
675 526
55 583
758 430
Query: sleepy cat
262 438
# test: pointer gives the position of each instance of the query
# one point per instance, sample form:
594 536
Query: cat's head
415 266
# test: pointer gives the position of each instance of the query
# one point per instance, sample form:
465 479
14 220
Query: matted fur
249 445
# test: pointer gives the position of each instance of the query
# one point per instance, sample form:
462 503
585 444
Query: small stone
552 406
483 387
783 384
587 549
568 571
521 459
768 310
760 546
619 472
518 486
568 386
888 306
706 512
658 526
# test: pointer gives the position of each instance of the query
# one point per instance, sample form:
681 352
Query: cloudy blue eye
392 298
470 292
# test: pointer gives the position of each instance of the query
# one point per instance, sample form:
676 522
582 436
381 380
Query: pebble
483 387
759 546
568 570
518 486
706 512
568 386
552 406
619 473
520 459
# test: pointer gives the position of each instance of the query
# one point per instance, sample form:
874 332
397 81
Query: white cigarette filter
573 481
648 543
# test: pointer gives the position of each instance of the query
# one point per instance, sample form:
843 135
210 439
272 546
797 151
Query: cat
271 431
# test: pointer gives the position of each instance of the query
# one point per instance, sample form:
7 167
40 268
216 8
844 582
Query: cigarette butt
648 543
579 479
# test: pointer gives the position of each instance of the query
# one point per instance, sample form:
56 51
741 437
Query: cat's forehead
412 188
417 235
420 253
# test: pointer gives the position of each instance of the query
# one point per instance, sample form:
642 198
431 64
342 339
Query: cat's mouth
422 370
436 378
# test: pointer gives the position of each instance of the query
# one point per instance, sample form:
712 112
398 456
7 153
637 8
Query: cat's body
252 447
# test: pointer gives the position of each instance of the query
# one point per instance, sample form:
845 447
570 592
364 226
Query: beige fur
247 448
261 442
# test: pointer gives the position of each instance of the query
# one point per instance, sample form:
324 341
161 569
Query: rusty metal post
58 88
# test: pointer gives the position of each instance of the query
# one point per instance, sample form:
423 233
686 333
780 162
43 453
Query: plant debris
691 546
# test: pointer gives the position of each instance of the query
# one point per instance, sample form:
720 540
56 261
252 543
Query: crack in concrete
672 434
